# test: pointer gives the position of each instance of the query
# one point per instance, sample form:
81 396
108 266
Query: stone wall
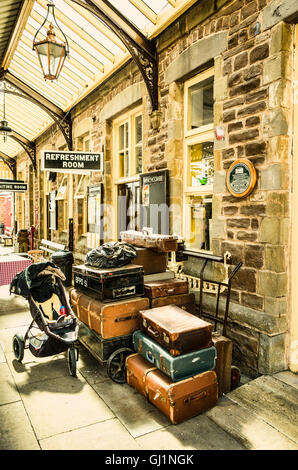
253 74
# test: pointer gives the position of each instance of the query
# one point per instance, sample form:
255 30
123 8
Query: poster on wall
52 210
62 161
95 209
155 201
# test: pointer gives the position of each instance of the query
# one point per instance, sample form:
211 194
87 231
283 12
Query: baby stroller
54 327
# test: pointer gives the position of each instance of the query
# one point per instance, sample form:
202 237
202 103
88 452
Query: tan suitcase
177 400
110 319
165 288
223 363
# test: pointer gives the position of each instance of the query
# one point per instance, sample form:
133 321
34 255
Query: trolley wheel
18 345
116 365
72 361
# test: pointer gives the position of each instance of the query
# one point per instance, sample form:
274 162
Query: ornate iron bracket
61 119
142 50
10 163
29 147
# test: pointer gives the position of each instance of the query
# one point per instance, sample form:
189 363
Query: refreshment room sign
61 161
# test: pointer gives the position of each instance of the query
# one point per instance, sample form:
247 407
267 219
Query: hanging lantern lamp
51 53
5 130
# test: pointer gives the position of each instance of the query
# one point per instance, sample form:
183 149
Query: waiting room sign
14 186
71 162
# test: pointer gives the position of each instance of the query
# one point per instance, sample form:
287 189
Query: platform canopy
96 50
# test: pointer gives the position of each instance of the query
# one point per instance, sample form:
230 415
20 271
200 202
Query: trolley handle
235 270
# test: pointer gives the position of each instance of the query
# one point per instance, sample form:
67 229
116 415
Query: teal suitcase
178 367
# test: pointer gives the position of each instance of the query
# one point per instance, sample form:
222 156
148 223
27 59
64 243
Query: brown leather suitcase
164 288
223 363
175 329
151 261
109 319
177 400
184 301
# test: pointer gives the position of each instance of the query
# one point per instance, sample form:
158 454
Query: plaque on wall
241 178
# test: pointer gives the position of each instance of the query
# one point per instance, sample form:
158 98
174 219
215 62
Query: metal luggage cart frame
204 284
115 363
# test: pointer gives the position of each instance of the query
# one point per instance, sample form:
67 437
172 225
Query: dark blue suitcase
178 367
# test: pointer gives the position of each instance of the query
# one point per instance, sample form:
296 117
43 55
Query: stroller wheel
72 361
18 345
116 365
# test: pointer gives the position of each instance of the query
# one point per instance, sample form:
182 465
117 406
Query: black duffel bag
111 255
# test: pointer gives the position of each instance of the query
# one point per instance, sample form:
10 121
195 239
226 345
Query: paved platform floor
43 408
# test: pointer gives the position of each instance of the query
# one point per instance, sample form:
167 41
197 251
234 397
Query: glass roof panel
131 13
157 5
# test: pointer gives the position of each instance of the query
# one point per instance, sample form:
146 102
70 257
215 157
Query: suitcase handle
118 319
154 333
195 397
149 357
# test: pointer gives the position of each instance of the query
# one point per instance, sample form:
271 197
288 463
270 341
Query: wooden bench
51 247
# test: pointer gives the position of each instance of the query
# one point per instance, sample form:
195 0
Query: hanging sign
71 162
13 186
241 178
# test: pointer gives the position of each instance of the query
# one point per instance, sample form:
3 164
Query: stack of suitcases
179 364
174 362
107 301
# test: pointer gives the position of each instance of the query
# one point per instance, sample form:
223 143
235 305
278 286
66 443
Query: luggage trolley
218 288
111 352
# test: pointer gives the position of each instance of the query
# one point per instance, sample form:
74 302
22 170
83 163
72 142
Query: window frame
130 118
195 136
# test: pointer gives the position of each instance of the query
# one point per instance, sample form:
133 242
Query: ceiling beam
31 93
145 10
17 33
10 162
61 118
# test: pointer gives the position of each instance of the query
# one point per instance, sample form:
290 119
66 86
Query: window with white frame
128 153
198 160
128 144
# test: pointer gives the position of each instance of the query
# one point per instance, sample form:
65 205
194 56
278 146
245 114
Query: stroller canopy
37 280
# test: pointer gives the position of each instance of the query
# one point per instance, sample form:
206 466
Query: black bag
111 255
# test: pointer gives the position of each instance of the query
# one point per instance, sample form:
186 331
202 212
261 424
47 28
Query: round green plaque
241 178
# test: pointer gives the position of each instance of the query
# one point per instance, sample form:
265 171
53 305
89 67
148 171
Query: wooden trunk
165 288
177 400
110 319
100 348
176 330
223 364
110 284
151 261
